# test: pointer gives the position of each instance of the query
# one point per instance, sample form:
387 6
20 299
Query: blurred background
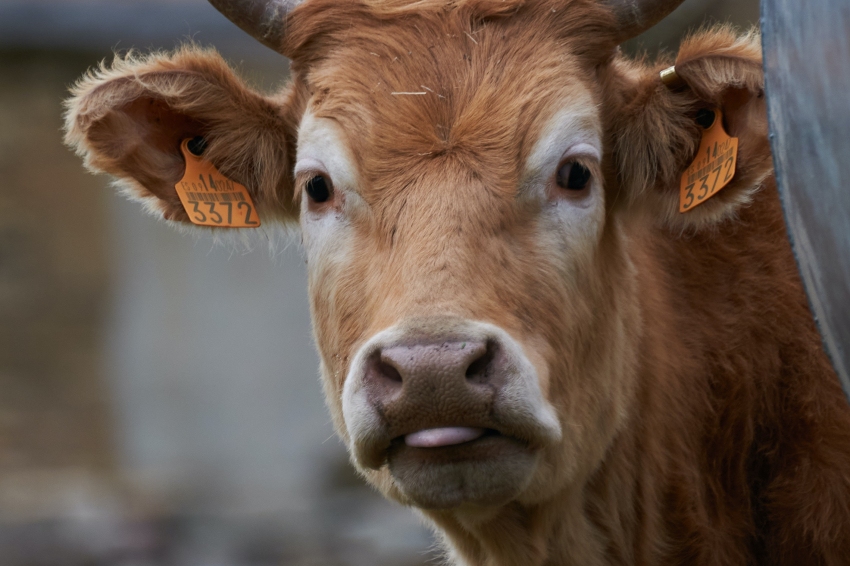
159 394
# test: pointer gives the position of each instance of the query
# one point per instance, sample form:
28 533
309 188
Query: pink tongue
448 436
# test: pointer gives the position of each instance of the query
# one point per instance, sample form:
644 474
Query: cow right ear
657 130
129 119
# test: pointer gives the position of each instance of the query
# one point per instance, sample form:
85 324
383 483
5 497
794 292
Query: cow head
469 178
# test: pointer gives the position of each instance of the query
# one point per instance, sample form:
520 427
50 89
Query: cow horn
264 20
637 16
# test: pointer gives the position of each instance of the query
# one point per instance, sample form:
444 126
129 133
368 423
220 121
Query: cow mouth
452 409
445 467
445 436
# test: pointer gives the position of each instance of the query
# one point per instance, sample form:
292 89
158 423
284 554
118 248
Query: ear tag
714 166
210 198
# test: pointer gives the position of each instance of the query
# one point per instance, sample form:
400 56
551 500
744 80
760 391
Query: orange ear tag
713 167
210 198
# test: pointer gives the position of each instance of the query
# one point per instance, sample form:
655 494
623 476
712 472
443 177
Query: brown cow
519 333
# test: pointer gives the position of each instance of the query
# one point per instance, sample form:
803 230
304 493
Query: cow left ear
656 126
130 119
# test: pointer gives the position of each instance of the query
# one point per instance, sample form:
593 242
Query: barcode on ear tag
712 169
210 198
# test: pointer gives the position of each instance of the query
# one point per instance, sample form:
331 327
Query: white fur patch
574 131
321 143
570 228
323 148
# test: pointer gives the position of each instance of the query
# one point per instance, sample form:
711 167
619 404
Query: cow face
459 257
465 200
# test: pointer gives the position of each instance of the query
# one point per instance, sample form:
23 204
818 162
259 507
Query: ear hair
712 61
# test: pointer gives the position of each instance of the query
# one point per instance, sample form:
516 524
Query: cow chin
488 472
454 410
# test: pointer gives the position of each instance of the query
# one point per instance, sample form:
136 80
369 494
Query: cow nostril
388 372
479 370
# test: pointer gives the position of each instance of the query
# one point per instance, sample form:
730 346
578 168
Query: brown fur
703 422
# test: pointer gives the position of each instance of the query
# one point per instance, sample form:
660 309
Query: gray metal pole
807 76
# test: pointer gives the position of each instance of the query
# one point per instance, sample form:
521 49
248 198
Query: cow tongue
446 436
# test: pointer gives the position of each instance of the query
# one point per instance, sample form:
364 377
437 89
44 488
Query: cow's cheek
592 402
589 392
557 465
330 248
340 300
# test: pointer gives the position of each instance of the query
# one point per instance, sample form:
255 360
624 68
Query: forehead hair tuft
318 26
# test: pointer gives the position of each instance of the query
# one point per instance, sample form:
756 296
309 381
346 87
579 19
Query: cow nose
439 383
443 363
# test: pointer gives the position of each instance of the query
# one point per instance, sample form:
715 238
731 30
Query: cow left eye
573 176
319 189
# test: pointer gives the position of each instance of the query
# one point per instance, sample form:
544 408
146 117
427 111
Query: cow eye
573 176
319 188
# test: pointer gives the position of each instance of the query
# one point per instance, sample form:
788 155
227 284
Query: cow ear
656 133
129 119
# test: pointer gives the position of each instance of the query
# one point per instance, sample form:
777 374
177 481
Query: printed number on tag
713 168
210 198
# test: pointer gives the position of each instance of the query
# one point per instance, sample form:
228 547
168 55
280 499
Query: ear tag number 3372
713 167
210 198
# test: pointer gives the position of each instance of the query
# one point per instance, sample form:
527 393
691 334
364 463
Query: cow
521 334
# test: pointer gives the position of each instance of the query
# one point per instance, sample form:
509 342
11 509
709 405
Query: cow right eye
319 189
573 176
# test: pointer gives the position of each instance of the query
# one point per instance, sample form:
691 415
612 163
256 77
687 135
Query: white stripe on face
323 149
323 145
574 130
